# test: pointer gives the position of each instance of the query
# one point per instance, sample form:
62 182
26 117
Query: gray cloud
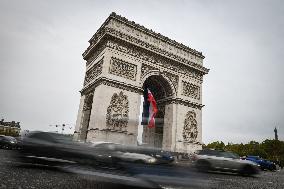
42 69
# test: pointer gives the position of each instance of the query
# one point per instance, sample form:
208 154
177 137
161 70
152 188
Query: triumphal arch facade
122 61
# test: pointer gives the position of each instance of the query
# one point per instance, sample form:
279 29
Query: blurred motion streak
116 163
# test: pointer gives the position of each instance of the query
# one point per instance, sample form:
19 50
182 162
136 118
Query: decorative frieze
153 48
93 72
145 45
117 112
150 37
190 90
156 60
123 69
190 131
162 43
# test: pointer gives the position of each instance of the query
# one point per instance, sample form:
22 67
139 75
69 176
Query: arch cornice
110 82
182 102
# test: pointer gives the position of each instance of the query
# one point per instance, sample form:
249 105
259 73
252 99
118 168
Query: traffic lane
33 177
265 180
176 176
21 176
187 177
16 175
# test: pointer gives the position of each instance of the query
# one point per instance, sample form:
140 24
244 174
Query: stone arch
163 76
86 116
127 56
162 90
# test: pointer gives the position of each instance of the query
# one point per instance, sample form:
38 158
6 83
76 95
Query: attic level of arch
133 27
178 56
192 71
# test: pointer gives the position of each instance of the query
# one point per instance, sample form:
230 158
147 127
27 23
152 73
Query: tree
216 145
269 149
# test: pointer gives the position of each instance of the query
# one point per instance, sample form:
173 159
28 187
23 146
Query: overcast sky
42 69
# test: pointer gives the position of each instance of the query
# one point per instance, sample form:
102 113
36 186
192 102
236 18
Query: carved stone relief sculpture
123 69
190 90
155 59
190 127
117 112
93 72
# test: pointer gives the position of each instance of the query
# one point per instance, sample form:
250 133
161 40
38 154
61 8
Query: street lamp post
62 126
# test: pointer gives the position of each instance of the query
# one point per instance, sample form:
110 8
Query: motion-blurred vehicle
8 142
134 154
161 156
264 164
217 160
54 149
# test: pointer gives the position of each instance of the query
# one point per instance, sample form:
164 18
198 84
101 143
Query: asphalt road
17 176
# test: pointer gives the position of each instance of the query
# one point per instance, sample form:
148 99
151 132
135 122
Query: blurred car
134 157
216 160
55 149
264 164
8 142
134 154
161 156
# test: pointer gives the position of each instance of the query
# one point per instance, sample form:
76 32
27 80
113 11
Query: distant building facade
10 128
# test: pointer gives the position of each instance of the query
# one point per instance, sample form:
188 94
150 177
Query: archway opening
161 89
86 117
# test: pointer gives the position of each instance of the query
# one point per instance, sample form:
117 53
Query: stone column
114 115
170 125
79 118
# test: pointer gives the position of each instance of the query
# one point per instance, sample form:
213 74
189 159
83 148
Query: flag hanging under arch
153 110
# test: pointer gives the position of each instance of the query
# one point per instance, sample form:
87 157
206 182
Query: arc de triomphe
125 58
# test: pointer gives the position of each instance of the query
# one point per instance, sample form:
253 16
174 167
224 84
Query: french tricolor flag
153 110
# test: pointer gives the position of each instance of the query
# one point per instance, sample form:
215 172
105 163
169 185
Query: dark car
161 156
61 151
55 149
8 142
211 160
264 164
134 154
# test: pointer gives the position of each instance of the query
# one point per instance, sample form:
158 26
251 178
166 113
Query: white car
135 157
217 160
108 151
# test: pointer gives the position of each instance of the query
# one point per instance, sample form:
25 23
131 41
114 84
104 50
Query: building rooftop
148 31
10 124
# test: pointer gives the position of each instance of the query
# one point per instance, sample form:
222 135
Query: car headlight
151 160
12 142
